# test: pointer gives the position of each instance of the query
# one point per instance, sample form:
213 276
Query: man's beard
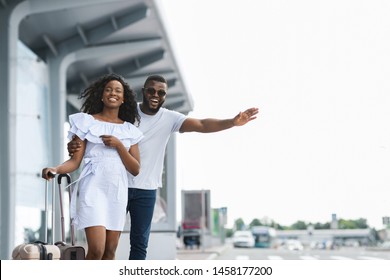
145 103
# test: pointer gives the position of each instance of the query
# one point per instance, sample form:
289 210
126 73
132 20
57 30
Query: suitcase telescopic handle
59 178
51 175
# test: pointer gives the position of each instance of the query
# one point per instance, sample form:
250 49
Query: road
307 254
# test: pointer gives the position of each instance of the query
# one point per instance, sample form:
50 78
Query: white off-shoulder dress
103 182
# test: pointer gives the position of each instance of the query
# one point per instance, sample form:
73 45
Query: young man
157 124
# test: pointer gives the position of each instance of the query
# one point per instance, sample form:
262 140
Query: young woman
109 147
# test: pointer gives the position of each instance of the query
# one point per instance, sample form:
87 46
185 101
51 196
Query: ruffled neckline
107 121
85 126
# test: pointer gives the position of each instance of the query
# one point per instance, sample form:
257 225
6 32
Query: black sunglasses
152 91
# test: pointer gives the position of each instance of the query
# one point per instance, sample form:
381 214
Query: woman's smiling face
113 94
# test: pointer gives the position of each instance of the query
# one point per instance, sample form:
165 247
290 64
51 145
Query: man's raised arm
215 125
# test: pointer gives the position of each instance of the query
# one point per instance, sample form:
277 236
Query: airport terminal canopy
79 40
125 37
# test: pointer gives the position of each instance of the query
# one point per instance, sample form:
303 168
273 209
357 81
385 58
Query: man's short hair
157 78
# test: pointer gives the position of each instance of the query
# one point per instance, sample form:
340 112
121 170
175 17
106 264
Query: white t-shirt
156 129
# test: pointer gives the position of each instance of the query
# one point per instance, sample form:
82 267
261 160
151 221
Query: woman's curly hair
93 94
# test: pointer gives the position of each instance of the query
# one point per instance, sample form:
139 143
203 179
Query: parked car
351 243
293 245
318 245
385 245
243 238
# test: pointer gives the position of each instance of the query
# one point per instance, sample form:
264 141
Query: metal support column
9 23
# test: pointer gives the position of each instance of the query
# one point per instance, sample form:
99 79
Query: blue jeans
140 204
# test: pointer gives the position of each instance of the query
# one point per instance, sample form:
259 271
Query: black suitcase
39 250
68 252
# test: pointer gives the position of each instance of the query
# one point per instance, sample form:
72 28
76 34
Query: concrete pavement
210 253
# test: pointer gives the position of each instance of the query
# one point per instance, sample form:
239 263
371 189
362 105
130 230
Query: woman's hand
49 173
111 141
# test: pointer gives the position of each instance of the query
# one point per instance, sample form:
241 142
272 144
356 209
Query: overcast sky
319 72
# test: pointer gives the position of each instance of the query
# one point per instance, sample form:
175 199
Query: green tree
229 232
280 227
255 222
239 224
346 224
361 223
299 225
353 224
322 226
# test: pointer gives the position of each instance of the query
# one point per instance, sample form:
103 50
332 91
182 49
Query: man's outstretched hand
245 117
74 145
